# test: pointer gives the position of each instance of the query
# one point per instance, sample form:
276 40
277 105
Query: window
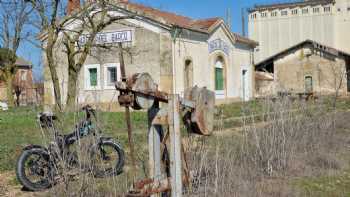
316 10
308 84
264 14
327 9
188 77
253 16
23 75
112 74
284 13
219 77
92 77
274 14
294 12
305 11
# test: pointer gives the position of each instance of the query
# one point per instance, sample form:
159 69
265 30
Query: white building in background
279 26
204 53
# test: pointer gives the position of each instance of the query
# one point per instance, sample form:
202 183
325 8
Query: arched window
188 74
219 74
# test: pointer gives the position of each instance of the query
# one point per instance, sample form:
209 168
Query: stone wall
326 73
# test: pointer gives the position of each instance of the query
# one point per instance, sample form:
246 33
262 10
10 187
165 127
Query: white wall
275 34
203 61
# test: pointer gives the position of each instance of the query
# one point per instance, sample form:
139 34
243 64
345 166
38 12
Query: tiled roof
22 62
202 25
307 43
205 24
245 40
168 17
290 5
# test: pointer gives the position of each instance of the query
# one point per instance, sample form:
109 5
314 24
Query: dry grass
293 148
272 158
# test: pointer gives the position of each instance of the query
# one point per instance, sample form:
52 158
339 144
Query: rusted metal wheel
142 82
202 117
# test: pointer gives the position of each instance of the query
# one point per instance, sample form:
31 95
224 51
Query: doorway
308 84
188 74
219 78
245 85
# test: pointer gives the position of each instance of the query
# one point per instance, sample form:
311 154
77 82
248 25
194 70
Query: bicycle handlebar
89 110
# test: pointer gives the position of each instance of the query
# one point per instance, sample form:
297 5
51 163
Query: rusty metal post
127 114
175 146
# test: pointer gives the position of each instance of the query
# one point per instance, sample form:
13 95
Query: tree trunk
54 77
9 91
72 87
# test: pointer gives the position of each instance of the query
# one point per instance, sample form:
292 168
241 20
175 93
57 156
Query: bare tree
58 28
14 16
335 80
92 19
19 87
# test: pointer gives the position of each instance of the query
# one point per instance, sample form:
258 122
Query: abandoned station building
307 67
304 46
205 53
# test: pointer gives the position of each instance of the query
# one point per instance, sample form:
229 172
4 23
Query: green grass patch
325 186
19 127
239 109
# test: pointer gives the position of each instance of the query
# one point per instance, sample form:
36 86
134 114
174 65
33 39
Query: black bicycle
39 168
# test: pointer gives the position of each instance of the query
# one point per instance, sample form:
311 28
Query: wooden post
175 146
154 140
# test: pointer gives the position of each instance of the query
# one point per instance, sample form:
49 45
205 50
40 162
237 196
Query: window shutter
93 76
219 79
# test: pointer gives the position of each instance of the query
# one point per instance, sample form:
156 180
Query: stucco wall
276 33
148 51
290 73
343 25
195 48
152 51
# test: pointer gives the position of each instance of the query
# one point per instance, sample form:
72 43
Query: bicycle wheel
107 159
33 170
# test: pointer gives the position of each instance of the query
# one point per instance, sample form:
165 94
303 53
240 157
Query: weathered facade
203 52
23 82
279 26
307 67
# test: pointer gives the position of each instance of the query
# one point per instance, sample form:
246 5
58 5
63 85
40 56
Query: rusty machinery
168 167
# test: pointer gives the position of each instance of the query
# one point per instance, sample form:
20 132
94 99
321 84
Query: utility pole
243 22
229 18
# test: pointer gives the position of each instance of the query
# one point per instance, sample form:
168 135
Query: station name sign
219 44
108 37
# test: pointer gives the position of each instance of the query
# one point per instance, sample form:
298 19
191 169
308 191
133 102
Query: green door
219 79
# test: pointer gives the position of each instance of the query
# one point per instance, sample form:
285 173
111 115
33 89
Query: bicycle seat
46 119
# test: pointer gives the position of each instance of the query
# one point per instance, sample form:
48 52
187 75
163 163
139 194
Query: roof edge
324 48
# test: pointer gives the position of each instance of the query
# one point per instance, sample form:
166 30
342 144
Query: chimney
72 6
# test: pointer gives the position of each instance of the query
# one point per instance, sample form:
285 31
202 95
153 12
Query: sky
196 9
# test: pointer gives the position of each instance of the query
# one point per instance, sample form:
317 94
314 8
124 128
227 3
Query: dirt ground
8 186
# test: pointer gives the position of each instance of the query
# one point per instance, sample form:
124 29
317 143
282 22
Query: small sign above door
219 44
